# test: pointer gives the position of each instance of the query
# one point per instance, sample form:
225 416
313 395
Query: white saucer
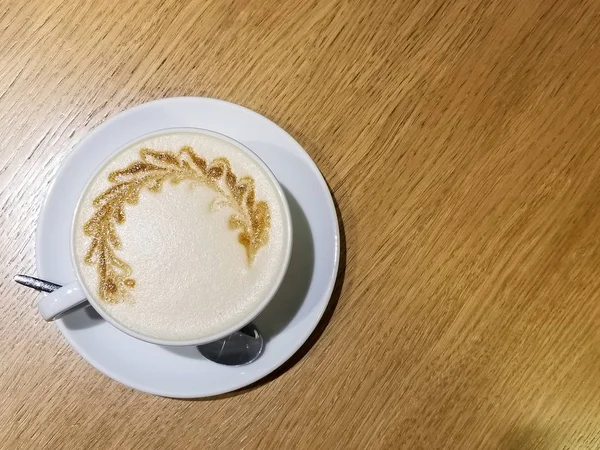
286 323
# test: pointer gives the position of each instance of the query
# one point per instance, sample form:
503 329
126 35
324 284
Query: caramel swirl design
151 171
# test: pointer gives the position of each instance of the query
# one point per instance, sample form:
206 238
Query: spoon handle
36 283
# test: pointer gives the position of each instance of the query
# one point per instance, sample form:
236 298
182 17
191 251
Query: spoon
237 349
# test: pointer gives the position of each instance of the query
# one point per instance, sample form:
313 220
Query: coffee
180 236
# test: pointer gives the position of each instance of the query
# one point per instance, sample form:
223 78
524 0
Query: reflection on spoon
237 349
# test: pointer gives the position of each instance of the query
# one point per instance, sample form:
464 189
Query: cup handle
61 300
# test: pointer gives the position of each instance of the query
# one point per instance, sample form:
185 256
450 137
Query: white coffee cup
74 293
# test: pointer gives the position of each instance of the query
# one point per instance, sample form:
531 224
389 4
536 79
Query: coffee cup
181 237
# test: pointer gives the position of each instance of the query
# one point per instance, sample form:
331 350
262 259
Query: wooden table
461 141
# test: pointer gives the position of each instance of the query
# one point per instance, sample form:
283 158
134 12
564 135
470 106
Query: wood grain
461 141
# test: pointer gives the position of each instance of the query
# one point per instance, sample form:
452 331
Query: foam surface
192 276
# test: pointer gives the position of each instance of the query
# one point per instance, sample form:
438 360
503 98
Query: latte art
153 169
181 236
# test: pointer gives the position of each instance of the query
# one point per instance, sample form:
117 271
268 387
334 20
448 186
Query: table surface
461 141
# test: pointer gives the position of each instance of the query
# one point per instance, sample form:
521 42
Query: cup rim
287 225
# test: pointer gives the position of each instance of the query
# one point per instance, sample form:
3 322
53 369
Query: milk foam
192 275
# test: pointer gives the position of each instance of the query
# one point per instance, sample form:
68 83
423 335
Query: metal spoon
237 349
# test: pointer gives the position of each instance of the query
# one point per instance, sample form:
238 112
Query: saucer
286 323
